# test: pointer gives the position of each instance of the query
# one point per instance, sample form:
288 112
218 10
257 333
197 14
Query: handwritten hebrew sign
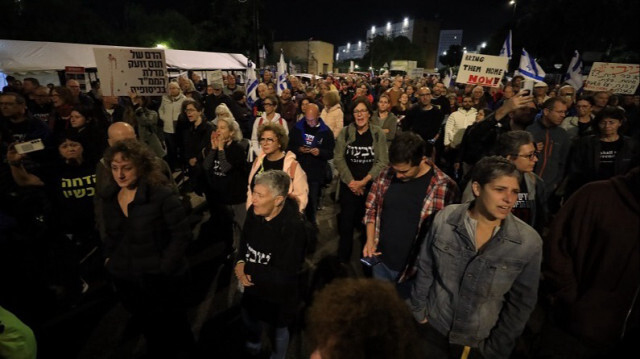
140 70
617 78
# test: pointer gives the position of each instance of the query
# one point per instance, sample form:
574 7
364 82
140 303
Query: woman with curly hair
360 318
147 234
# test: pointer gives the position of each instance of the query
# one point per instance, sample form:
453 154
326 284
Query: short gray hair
277 181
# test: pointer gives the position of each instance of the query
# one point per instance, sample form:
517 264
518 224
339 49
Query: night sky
342 21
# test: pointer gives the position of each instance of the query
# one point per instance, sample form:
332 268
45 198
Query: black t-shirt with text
608 152
359 155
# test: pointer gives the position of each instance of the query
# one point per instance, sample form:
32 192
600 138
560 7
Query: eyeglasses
424 94
7 103
530 156
267 140
268 104
191 110
568 95
357 112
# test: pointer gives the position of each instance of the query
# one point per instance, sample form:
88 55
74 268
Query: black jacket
585 162
152 240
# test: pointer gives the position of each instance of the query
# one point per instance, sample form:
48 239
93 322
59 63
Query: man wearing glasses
553 143
424 118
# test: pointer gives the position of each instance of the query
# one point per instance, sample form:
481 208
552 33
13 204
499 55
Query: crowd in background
281 153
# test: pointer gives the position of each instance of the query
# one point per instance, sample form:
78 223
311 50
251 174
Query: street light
483 45
514 4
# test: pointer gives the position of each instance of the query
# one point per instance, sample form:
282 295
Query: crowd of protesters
482 205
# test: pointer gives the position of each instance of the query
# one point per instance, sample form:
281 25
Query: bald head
120 131
311 114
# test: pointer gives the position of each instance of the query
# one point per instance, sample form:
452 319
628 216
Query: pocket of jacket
503 274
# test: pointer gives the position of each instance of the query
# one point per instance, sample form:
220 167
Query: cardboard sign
484 70
143 71
617 78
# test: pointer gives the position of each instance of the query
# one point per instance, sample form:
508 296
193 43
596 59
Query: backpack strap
292 169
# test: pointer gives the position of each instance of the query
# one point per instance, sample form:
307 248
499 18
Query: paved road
98 328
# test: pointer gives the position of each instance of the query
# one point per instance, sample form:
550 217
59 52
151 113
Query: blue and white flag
281 74
506 47
529 67
252 84
573 76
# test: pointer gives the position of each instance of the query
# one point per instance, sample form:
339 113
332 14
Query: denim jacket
482 298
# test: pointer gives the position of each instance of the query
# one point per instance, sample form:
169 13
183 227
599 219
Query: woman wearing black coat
147 234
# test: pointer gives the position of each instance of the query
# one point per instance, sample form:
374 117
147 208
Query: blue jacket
482 299
313 166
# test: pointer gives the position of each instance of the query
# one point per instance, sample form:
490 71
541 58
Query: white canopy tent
41 58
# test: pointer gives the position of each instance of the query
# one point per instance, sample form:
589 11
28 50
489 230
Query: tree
453 56
383 49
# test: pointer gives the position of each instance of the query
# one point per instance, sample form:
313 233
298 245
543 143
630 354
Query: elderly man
312 141
79 97
232 86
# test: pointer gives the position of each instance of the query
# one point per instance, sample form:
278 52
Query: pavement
98 327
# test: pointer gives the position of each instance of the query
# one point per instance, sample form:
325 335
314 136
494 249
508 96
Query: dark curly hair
144 160
360 318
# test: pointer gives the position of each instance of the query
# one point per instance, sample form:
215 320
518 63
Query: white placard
140 70
484 70
617 78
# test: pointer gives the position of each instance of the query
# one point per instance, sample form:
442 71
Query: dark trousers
172 150
436 345
351 214
315 188
157 307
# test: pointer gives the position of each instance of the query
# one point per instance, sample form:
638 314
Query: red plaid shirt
441 191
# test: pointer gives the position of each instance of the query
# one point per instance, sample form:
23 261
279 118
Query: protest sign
617 78
139 70
484 70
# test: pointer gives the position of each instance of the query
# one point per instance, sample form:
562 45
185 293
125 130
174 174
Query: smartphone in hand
370 261
29 146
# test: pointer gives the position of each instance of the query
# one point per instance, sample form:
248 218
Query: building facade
311 56
423 33
448 38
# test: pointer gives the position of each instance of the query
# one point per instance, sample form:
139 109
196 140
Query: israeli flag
506 47
252 84
282 74
573 76
529 67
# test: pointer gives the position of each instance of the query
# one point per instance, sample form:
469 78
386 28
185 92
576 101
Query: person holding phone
398 207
